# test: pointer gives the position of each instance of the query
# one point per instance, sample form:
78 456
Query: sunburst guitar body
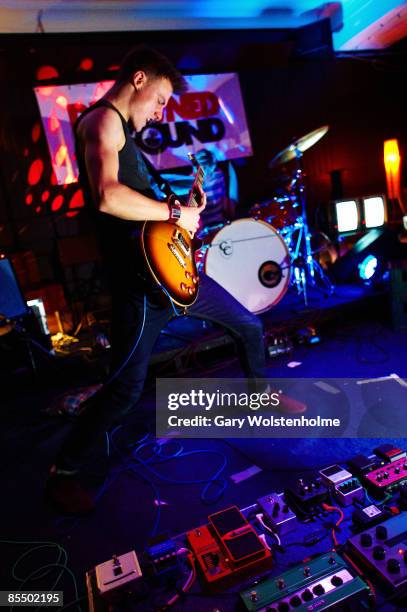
169 253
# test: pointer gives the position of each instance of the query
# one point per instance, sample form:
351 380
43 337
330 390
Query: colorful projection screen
209 116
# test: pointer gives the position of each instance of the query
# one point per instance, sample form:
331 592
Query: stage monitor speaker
12 302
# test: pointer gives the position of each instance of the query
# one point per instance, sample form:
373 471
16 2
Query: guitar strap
162 183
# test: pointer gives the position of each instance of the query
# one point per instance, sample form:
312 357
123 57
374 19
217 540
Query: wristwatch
175 210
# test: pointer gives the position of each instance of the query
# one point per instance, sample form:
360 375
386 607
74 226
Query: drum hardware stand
306 268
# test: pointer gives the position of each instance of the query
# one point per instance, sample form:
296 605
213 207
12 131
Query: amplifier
383 549
324 583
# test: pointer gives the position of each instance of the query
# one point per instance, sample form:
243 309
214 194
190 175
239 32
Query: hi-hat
298 146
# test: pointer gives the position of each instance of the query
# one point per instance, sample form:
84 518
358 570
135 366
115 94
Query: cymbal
301 144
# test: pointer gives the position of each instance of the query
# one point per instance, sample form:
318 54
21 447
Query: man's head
154 79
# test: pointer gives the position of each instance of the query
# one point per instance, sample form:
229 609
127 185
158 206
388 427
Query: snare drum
251 261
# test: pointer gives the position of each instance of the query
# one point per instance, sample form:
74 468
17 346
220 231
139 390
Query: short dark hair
153 63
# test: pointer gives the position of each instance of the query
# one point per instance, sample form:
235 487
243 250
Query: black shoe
67 494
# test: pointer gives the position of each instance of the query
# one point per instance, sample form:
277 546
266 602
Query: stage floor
142 493
289 316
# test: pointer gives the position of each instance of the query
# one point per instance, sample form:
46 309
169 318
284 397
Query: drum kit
258 258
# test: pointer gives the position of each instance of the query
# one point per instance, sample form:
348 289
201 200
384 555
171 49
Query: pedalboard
230 552
383 549
228 549
278 514
348 490
307 496
388 477
323 583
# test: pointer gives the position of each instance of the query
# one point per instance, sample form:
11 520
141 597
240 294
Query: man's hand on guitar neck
189 219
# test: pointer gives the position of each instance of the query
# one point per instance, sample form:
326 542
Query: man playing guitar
117 192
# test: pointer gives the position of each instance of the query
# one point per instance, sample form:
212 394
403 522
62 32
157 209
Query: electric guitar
169 252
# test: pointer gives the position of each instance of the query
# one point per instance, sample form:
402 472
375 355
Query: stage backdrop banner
210 115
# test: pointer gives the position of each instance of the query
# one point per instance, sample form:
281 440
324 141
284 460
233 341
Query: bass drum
250 260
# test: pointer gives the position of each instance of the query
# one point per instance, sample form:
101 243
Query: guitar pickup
177 255
181 243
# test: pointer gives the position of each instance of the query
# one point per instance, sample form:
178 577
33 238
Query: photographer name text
250 420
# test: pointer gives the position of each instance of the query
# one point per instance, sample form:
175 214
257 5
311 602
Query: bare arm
102 137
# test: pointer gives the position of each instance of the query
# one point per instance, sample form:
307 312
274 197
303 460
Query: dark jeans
119 396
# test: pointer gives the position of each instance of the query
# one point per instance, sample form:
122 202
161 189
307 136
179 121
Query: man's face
151 95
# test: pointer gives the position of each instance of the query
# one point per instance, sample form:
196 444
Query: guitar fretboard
194 197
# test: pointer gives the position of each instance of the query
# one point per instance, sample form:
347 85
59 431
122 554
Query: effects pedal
161 557
307 496
334 475
277 512
369 516
383 549
228 549
388 477
389 453
325 582
279 346
348 490
119 576
403 496
361 465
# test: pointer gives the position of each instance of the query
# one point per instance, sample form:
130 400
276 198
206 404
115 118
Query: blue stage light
367 267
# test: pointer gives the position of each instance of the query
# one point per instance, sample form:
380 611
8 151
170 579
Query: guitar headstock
197 167
193 160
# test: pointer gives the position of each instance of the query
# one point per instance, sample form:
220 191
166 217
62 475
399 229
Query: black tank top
124 262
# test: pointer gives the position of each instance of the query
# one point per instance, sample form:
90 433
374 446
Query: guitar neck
195 196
